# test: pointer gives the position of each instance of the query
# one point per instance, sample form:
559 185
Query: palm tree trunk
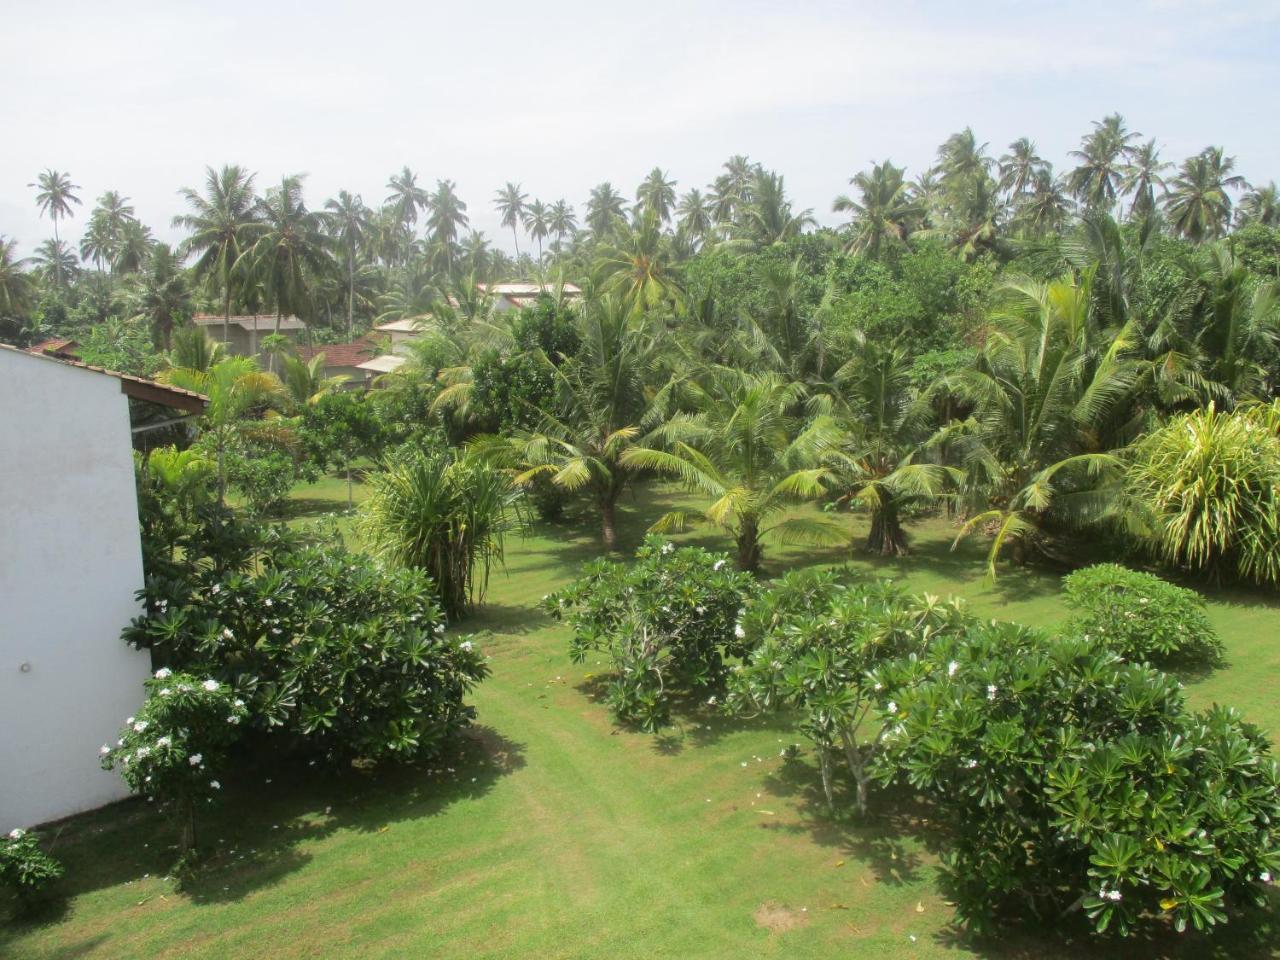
749 552
516 237
886 537
226 310
351 288
608 529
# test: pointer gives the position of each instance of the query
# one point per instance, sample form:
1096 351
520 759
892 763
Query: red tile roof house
344 359
70 567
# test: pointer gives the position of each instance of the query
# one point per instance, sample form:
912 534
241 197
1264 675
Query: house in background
70 566
245 334
514 296
401 332
344 359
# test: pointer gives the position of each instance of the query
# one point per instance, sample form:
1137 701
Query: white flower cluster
668 547
718 565
992 690
466 646
952 668
210 685
17 833
164 673
1113 895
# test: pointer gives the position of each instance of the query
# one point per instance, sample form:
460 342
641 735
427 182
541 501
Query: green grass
555 835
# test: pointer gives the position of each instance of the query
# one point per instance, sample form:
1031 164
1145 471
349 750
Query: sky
558 96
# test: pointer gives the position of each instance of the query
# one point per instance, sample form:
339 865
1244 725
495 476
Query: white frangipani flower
211 685
163 673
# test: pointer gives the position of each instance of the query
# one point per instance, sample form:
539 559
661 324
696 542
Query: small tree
1140 616
172 751
336 429
26 869
667 623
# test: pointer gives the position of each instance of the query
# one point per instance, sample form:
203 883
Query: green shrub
332 652
25 869
667 622
1140 616
174 749
1068 780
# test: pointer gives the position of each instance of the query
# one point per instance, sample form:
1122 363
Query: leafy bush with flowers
1071 780
25 869
332 652
820 648
667 622
174 749
1140 616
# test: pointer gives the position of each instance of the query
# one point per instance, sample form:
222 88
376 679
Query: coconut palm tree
133 248
1198 205
745 448
1142 178
218 222
163 297
16 289
55 195
638 268
510 204
561 221
1260 205
883 213
1045 207
56 261
606 209
694 216
1020 167
447 216
768 218
1049 399
1102 154
98 243
602 404
288 248
656 196
348 222
537 221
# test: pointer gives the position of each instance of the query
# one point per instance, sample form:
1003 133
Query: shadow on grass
260 832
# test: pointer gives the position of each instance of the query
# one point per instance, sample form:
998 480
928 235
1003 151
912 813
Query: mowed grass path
551 834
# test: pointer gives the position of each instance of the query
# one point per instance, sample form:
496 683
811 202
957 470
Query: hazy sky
558 96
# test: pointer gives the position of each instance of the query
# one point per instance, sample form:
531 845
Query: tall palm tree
606 209
510 204
289 247
1260 205
1045 207
406 198
133 247
561 221
883 212
16 289
55 195
638 268
98 243
746 450
1142 178
694 216
768 218
656 195
447 216
163 297
731 191
348 222
218 222
1102 154
1198 205
1020 167
537 221
56 261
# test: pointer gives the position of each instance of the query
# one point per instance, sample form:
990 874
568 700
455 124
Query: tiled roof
342 354
262 322
56 346
139 387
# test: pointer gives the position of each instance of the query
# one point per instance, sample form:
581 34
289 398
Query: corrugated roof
258 321
407 325
524 289
139 387
384 364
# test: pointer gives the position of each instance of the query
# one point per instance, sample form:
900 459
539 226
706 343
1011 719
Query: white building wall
70 563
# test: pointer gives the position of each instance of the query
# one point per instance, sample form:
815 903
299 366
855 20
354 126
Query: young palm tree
288 248
218 222
305 382
537 221
16 289
1048 396
163 298
561 221
348 222
1102 154
638 268
606 209
883 213
656 196
55 195
1197 204
510 204
745 448
56 261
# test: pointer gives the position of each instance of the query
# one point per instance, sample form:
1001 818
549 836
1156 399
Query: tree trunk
188 814
516 237
886 537
351 289
608 530
824 766
349 502
749 552
226 311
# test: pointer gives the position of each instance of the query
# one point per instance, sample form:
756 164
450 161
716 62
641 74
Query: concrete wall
70 562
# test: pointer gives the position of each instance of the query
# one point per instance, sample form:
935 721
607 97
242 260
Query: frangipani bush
25 868
174 749
667 622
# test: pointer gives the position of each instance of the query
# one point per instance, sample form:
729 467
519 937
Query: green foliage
667 622
337 428
547 328
25 869
444 515
1069 779
174 749
511 393
333 653
263 477
122 345
174 488
1206 486
1140 616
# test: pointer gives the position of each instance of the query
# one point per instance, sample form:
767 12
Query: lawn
551 834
